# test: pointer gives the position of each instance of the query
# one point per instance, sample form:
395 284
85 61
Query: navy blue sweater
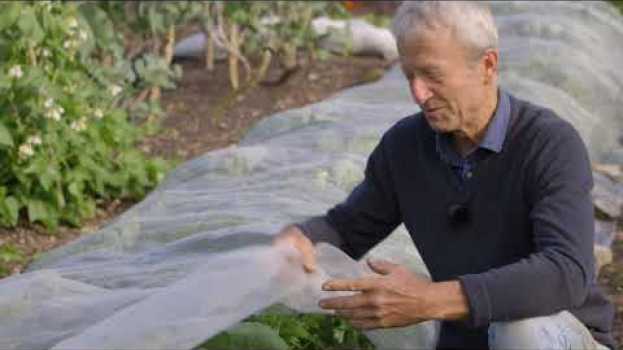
524 244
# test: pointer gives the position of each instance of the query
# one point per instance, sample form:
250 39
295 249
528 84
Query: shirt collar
494 136
496 131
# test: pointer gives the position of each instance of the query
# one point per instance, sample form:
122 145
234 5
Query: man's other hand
293 236
394 298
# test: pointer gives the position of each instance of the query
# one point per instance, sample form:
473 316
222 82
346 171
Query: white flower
270 20
72 23
34 140
114 90
98 113
45 52
26 151
83 35
16 72
49 103
79 125
54 113
70 44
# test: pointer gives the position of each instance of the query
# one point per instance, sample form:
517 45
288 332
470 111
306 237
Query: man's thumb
309 263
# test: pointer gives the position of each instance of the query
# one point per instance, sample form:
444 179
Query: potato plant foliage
287 331
80 85
65 137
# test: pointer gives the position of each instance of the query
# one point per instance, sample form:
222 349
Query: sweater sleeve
368 214
558 274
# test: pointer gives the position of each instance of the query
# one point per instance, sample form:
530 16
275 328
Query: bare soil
204 113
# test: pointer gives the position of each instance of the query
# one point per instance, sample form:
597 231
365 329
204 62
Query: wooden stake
209 51
31 55
233 59
170 45
263 68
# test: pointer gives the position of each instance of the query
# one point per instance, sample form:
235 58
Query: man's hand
293 236
397 298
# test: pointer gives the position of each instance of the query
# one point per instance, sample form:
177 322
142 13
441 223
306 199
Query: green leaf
9 12
34 77
48 178
9 210
29 26
75 189
100 23
5 136
59 198
246 336
37 210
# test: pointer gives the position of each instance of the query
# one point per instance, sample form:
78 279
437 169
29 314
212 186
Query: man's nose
420 91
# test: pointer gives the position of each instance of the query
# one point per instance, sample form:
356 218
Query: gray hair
471 21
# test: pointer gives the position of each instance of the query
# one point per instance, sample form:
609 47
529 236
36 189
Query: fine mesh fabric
194 257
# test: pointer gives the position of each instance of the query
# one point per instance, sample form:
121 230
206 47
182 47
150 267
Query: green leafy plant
144 41
247 336
65 137
75 78
297 331
265 29
618 4
9 254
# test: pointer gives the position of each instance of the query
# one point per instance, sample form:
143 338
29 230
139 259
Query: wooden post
209 50
170 45
263 68
234 77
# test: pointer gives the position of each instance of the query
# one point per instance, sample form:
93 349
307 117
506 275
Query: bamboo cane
233 59
169 47
209 51
263 68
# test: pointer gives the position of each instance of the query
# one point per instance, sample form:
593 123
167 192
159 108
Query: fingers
365 318
348 302
294 237
360 284
359 312
382 267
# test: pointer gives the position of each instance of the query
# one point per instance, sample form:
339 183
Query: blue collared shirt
492 142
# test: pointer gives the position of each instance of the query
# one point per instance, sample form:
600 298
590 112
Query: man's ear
490 65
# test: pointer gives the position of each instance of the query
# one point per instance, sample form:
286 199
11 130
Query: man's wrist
447 301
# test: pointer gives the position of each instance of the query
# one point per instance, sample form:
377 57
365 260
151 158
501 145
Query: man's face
448 85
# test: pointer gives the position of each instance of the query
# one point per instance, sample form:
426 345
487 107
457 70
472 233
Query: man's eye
434 76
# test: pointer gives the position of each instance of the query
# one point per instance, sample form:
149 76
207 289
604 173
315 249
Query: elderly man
495 192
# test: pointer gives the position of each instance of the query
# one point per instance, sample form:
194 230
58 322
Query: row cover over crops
193 258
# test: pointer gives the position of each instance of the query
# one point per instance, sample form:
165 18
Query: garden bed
202 114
